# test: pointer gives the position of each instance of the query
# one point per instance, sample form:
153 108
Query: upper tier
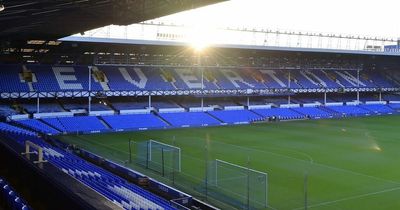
46 78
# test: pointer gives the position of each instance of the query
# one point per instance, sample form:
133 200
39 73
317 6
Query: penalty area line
349 198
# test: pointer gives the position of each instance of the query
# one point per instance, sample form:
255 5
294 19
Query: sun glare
200 37
199 46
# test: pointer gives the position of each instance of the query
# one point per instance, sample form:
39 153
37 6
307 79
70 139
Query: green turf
352 163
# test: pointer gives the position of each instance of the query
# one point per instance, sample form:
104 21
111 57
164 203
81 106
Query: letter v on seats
142 78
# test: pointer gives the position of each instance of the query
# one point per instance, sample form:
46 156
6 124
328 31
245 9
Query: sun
200 37
199 46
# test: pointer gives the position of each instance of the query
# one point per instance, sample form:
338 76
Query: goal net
240 186
160 157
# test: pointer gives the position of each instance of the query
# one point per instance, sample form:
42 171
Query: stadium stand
54 122
55 78
349 110
187 103
6 110
184 119
312 112
134 122
255 101
76 124
277 100
10 81
279 113
377 108
395 106
74 106
121 113
99 107
84 123
38 126
379 79
219 103
10 197
4 127
165 104
119 78
391 97
44 107
130 105
118 190
236 116
174 118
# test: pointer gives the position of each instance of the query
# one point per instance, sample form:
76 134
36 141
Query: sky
349 17
358 18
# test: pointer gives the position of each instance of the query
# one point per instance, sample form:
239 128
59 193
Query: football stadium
114 104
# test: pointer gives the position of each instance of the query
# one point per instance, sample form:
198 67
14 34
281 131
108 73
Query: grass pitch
351 163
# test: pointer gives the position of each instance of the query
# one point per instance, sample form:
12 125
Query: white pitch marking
350 198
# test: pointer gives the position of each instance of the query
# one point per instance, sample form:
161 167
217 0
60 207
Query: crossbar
244 168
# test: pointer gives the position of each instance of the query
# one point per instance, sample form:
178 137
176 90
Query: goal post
158 156
241 186
156 147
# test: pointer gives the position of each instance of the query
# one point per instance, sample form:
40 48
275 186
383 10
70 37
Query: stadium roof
228 46
50 19
124 51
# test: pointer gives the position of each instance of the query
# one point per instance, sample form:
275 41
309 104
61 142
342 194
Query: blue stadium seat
134 121
395 106
236 116
44 107
349 110
4 127
10 81
38 126
6 110
124 194
76 124
10 196
124 78
312 112
279 113
377 108
189 119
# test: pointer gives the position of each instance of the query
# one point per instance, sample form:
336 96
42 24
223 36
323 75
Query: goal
160 157
241 186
